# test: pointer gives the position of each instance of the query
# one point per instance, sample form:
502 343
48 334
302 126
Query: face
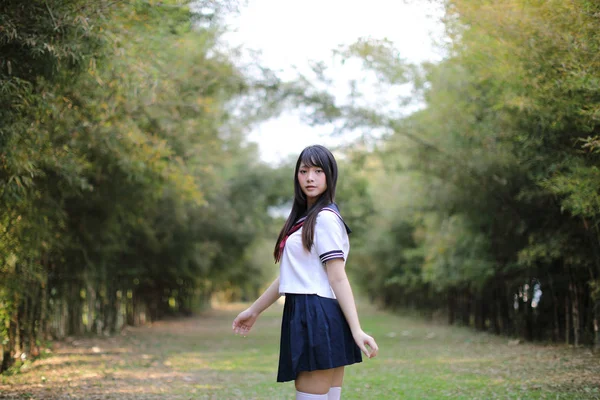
312 182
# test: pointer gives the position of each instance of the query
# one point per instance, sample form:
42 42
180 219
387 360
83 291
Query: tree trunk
74 306
451 306
6 358
100 317
1 357
595 277
528 324
130 306
24 324
575 313
495 317
91 307
465 308
596 328
31 324
16 331
479 311
43 325
505 304
108 309
567 321
13 339
555 315
8 350
116 310
64 317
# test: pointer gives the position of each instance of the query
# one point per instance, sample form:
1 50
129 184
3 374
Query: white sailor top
304 272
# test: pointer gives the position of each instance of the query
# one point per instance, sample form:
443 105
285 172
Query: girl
320 330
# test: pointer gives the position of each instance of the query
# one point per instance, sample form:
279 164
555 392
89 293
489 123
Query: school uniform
314 332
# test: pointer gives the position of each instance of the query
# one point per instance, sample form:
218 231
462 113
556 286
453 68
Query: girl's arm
245 320
336 272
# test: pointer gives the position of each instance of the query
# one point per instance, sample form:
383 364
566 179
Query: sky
292 33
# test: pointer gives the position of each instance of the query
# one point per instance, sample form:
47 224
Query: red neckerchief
293 229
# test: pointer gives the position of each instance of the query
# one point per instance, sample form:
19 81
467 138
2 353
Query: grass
199 358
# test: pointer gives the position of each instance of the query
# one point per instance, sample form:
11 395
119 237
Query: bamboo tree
122 158
499 170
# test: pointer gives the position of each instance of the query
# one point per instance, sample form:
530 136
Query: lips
310 187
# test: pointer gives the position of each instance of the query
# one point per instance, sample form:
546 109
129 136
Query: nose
310 176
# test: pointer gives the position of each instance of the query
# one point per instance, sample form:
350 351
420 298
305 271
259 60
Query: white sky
292 33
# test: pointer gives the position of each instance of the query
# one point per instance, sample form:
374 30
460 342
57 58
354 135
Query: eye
319 171
302 171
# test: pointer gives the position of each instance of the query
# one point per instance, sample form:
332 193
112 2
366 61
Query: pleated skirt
314 335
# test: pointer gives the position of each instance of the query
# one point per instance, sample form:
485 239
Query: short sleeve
331 237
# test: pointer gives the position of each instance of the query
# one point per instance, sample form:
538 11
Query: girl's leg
338 377
322 384
313 384
309 396
335 391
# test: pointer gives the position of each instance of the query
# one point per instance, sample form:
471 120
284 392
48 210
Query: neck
311 202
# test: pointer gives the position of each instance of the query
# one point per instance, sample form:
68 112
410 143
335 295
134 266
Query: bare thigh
319 382
338 377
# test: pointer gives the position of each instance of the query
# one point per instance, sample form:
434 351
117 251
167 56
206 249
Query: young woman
320 330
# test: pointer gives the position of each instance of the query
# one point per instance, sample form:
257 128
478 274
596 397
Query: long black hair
312 156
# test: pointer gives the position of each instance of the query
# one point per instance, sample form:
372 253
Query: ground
199 358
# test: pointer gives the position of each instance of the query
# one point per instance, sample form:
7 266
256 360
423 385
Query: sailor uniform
314 332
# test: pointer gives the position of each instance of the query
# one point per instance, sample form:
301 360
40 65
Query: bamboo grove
126 190
486 199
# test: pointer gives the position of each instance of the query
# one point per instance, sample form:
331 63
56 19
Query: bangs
312 157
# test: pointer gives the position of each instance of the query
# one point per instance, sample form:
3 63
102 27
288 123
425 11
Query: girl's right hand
363 340
243 322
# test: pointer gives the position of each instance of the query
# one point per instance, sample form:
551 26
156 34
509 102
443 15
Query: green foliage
491 188
456 256
126 189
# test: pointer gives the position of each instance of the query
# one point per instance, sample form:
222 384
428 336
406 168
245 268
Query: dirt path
199 358
151 362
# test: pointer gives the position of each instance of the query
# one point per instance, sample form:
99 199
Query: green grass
199 358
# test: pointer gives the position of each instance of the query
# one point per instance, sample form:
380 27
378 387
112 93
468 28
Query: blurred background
147 150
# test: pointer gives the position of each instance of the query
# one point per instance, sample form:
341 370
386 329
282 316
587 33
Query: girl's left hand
243 322
363 340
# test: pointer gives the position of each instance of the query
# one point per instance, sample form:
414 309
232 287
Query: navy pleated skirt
314 336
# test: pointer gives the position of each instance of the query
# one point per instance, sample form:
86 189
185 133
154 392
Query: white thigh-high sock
309 396
335 393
